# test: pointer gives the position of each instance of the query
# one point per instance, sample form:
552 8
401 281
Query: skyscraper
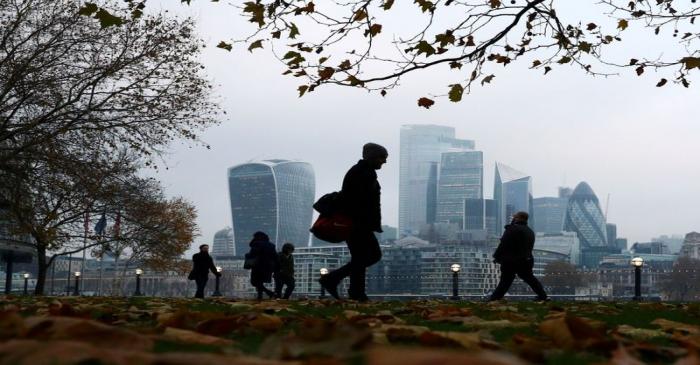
513 193
480 214
461 177
273 196
611 233
584 216
549 213
223 243
421 148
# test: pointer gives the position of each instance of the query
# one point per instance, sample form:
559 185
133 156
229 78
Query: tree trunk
42 269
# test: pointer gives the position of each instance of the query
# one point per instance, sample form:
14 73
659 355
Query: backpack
332 225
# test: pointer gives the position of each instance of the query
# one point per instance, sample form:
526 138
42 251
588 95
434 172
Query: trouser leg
507 277
291 284
365 252
528 277
279 282
201 284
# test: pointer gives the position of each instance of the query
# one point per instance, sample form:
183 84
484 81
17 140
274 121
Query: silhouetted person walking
514 253
202 263
361 201
285 275
264 255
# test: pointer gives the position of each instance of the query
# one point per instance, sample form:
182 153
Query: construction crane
607 204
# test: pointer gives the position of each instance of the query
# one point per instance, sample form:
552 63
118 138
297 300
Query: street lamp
217 293
138 293
76 290
26 283
323 272
455 280
637 262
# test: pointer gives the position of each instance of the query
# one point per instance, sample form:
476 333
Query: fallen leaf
187 336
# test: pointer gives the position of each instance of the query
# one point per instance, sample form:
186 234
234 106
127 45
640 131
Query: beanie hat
373 150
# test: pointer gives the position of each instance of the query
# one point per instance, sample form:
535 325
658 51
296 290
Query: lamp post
76 289
26 283
217 293
455 280
637 262
138 293
323 272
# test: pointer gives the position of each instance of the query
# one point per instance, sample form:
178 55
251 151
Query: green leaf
456 92
224 45
425 102
88 9
254 45
107 20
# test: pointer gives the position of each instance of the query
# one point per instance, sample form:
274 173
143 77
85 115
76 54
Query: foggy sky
625 137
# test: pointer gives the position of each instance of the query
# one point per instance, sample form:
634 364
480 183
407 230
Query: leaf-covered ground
93 331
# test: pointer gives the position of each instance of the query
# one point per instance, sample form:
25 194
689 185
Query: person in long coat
264 253
202 263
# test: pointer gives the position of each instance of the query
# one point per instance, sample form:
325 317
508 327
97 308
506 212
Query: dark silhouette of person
514 254
361 201
284 276
264 253
202 263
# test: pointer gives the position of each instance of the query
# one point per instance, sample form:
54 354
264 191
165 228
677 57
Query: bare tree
683 281
562 277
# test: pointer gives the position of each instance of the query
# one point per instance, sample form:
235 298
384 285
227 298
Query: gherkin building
584 216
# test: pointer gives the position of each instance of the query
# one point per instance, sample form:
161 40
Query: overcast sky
626 138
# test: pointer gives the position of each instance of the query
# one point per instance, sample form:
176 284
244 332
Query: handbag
332 228
250 261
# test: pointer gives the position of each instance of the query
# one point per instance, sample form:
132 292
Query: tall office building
513 193
461 177
421 148
273 196
611 233
565 192
481 214
549 214
223 244
431 194
584 216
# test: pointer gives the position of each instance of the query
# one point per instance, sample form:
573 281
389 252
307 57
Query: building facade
513 193
584 216
565 243
273 196
421 147
223 244
461 177
549 213
691 245
481 214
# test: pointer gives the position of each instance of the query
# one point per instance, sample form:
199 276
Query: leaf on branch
322 60
495 3
456 92
640 70
373 30
470 41
224 45
360 15
425 102
387 4
88 9
293 31
383 92
276 34
302 90
354 81
256 11
326 73
107 20
536 63
547 69
622 24
691 62
455 64
565 59
585 47
487 79
425 5
661 83
425 47
345 65
445 38
254 45
308 9
591 26
638 13
633 61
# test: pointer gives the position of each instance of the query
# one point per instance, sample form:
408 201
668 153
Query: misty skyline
620 134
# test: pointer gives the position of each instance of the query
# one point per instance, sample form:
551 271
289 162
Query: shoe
330 288
362 298
543 300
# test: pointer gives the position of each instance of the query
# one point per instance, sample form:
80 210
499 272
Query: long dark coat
265 254
202 263
516 244
361 197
